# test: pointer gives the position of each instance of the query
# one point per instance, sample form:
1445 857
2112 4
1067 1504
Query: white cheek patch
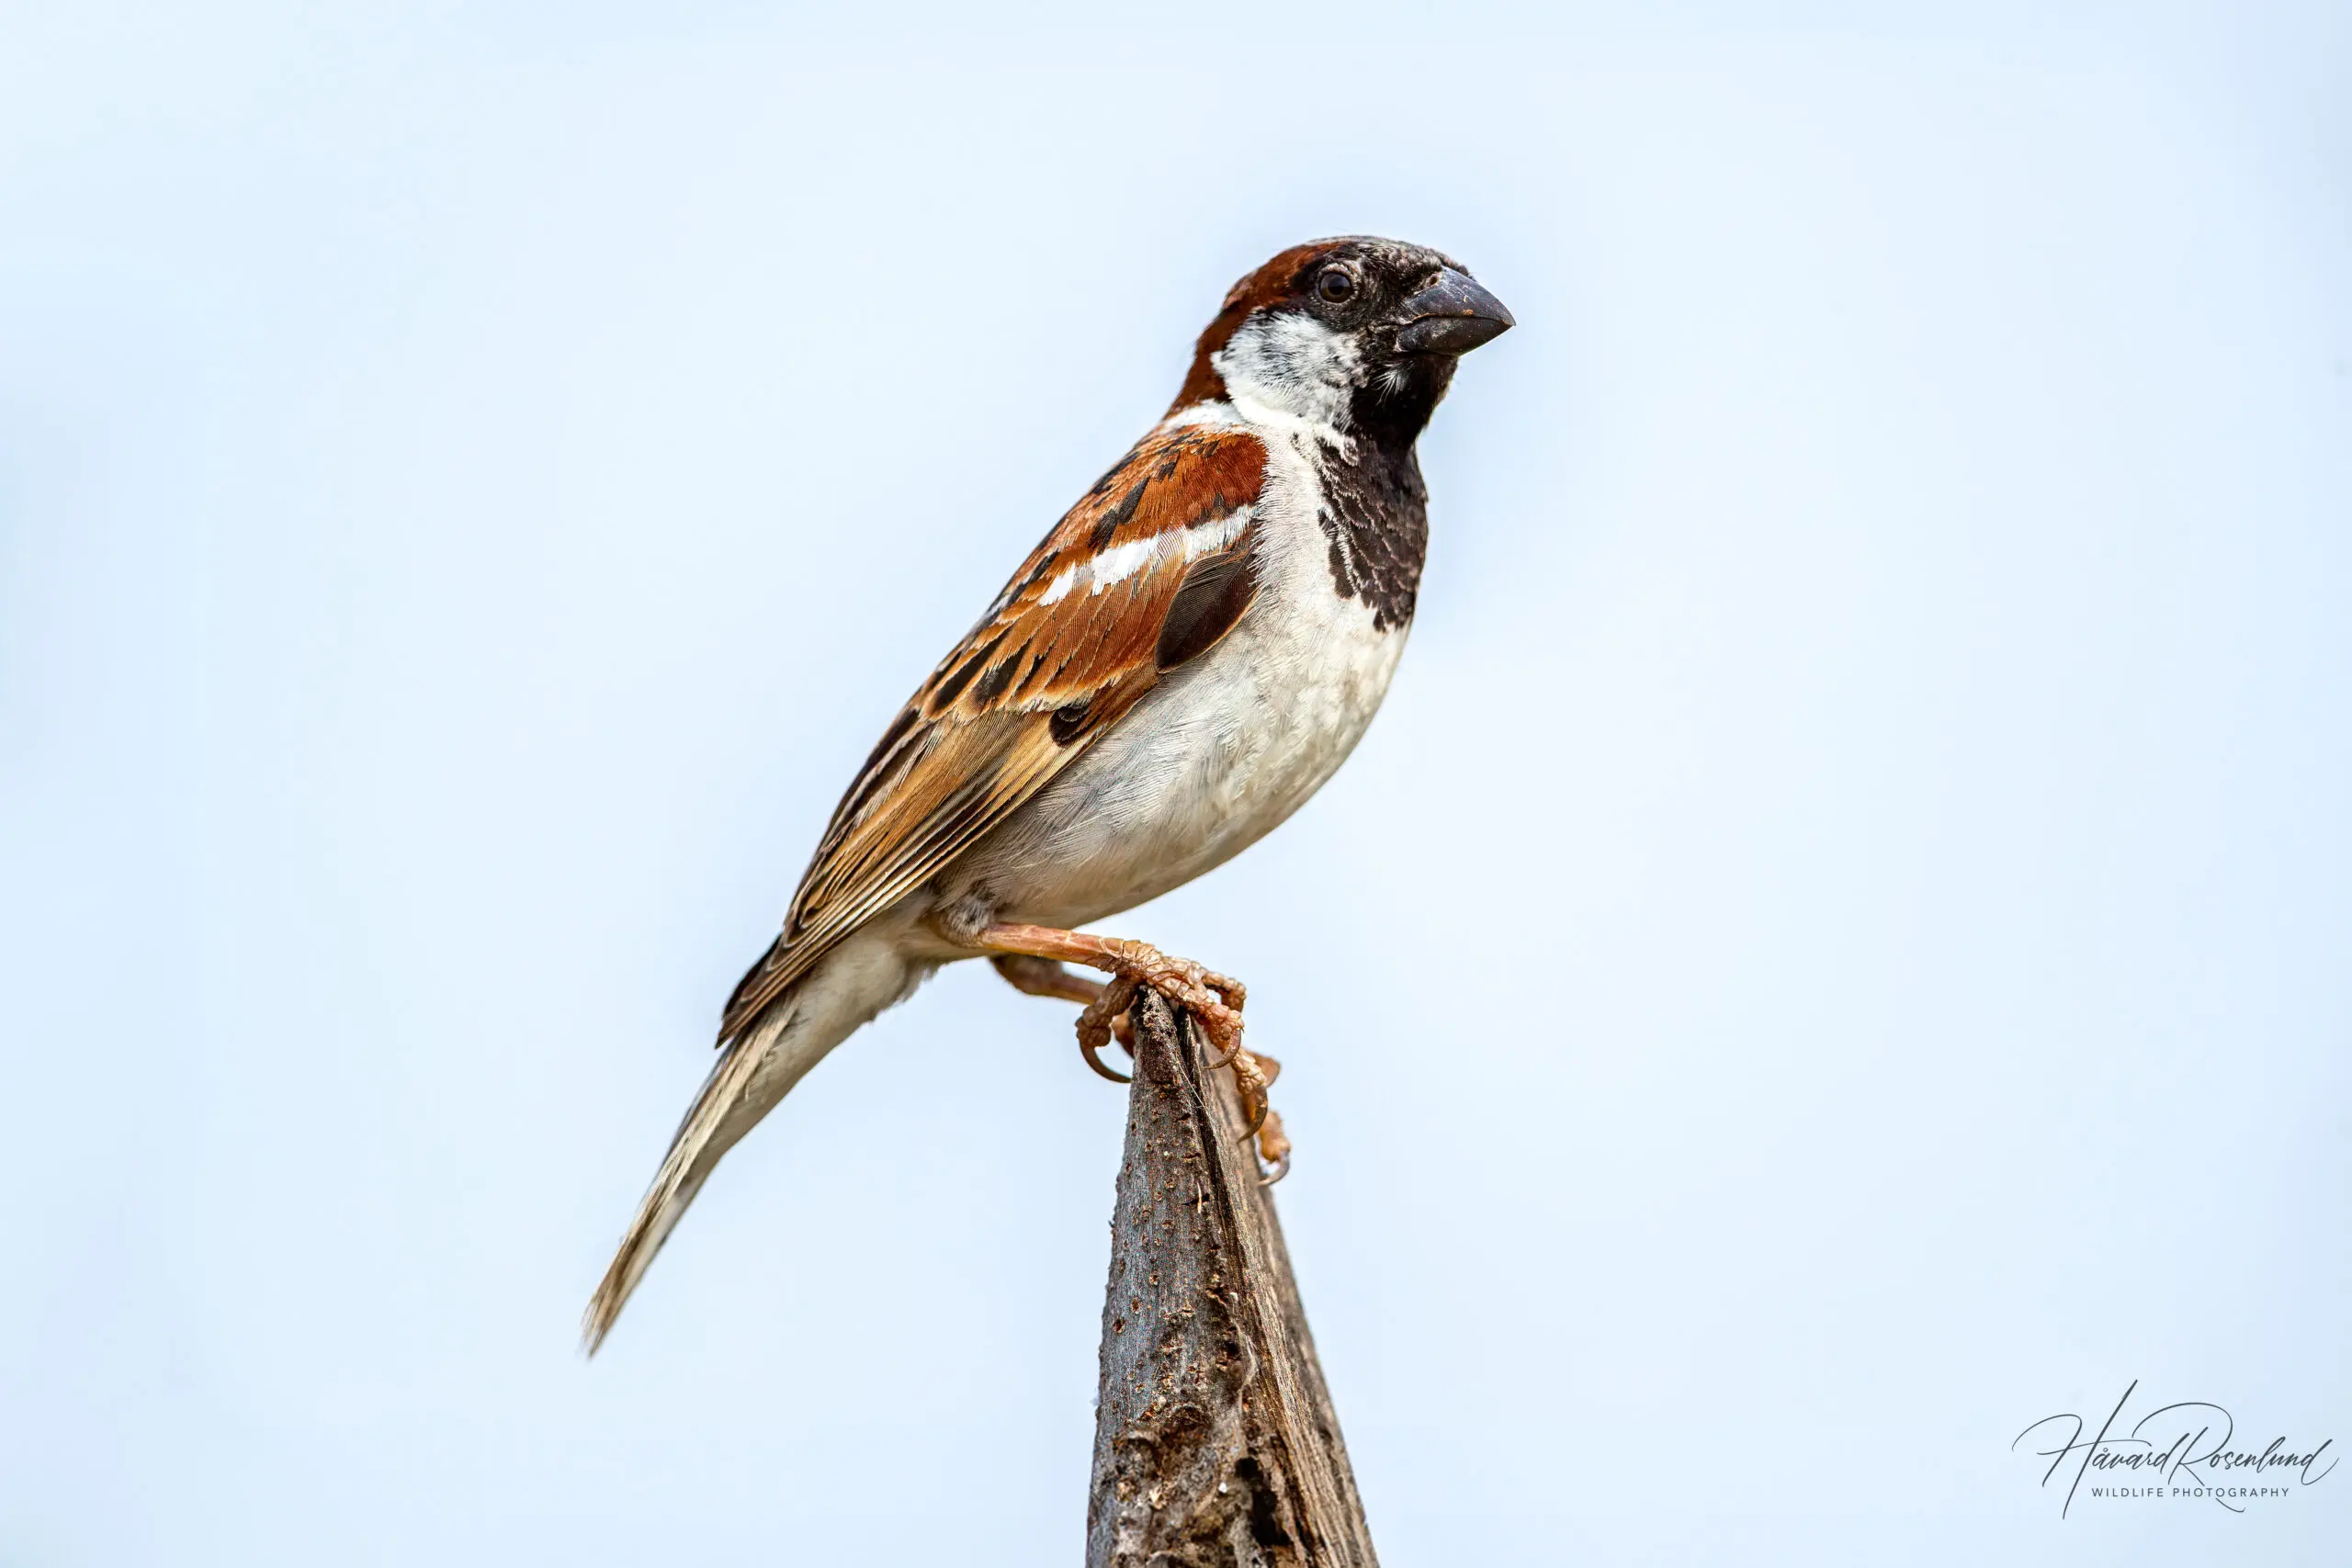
1293 365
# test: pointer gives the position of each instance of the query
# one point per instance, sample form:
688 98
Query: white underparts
1223 748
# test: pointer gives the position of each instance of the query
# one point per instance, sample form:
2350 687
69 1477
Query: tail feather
741 1089
860 977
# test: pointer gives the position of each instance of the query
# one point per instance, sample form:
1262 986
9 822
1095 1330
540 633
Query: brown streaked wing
1082 632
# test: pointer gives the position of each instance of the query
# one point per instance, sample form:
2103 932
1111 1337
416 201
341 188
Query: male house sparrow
1189 655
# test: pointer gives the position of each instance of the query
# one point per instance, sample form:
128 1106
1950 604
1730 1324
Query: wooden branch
1214 1441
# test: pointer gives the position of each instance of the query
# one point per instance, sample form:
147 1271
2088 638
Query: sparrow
1187 657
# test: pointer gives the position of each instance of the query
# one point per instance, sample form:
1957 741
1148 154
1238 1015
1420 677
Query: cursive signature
2171 1445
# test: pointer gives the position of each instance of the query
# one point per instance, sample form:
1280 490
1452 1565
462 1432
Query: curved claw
1100 1023
1274 1148
1089 1049
1223 1033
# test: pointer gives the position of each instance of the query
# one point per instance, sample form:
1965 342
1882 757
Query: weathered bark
1214 1441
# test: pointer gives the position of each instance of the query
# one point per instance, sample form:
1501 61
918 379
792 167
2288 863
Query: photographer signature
2164 1452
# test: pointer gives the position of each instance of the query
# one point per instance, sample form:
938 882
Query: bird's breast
1223 750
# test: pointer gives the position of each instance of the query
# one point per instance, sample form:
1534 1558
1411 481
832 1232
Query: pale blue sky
1835 949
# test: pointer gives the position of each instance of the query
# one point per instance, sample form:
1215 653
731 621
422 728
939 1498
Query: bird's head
1358 336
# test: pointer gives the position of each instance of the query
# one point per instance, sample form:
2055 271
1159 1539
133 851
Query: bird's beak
1452 315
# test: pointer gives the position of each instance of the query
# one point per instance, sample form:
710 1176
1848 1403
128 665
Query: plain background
1835 948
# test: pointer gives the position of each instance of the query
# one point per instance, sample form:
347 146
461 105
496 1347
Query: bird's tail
825 1006
752 1073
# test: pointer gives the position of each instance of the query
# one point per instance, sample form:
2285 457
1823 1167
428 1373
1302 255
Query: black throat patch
1375 515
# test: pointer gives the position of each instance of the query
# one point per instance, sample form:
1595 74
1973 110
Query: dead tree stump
1216 1445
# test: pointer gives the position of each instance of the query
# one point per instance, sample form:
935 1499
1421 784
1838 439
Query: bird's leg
1044 978
1105 1017
1214 1000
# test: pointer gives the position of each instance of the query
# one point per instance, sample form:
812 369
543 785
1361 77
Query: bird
1186 657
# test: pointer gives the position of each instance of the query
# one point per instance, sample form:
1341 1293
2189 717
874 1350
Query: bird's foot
1214 1000
1253 1075
1031 957
1105 1019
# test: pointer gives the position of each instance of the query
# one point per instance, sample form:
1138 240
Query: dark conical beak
1452 315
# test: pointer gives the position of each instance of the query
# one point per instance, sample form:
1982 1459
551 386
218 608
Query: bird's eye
1336 284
